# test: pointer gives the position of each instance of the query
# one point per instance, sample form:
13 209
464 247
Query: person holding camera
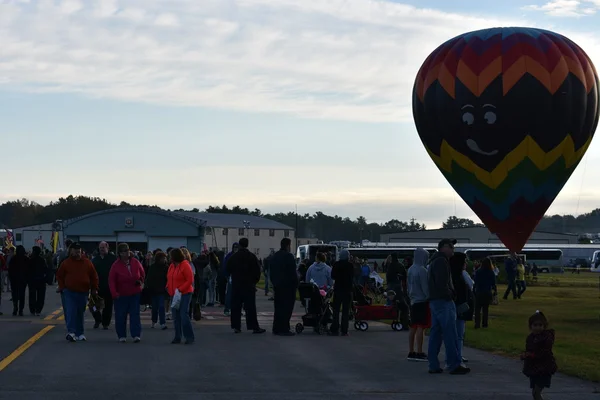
125 280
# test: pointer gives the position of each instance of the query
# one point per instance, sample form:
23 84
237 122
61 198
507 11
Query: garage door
133 237
164 243
98 239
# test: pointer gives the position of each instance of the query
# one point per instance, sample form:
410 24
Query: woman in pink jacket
126 280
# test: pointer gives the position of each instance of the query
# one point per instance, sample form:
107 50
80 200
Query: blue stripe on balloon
522 189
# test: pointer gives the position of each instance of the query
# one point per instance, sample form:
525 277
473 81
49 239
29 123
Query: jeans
521 288
460 334
212 290
443 328
228 297
482 306
37 296
284 301
181 319
342 300
18 295
74 303
266 274
5 282
512 287
158 309
128 305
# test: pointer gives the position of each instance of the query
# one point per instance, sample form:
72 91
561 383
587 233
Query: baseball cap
445 242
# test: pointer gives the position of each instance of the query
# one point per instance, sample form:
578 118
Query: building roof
217 220
214 220
39 227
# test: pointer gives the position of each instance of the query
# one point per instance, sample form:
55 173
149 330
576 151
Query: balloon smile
473 146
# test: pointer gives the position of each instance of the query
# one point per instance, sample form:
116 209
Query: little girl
539 364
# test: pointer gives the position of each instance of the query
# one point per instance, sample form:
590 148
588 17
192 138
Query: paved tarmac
224 366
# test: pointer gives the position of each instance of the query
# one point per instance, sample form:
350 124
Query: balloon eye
468 118
490 117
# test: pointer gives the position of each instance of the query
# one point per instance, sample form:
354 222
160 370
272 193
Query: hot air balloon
507 114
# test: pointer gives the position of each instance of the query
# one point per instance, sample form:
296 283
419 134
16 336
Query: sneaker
71 337
259 331
153 325
464 360
345 334
436 371
237 331
163 327
105 327
175 341
38 314
122 340
82 338
168 316
421 357
412 356
137 339
460 370
96 325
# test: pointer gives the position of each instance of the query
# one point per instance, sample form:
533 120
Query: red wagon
362 314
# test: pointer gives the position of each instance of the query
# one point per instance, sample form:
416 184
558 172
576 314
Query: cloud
567 8
336 59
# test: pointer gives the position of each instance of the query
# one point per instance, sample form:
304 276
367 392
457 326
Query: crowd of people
176 284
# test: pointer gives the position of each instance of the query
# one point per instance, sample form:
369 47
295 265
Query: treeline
24 212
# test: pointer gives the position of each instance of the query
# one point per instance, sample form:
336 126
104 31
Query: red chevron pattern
477 62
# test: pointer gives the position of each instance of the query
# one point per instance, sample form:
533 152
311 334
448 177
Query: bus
309 251
545 259
379 254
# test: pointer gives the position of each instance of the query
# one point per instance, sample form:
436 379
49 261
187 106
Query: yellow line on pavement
61 318
18 352
54 314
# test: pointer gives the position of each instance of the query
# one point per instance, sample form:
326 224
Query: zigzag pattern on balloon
524 189
526 170
477 61
528 148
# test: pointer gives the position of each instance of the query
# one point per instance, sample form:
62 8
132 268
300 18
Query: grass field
572 304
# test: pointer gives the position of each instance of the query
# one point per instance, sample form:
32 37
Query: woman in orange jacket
180 278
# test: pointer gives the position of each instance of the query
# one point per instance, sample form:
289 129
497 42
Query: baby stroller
317 303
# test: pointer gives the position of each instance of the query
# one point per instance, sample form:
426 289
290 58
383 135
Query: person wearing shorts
418 292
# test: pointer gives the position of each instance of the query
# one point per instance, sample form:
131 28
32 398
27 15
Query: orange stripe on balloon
513 74
537 70
559 74
430 77
489 74
467 77
447 81
575 69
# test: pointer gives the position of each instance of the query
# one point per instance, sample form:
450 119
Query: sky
261 103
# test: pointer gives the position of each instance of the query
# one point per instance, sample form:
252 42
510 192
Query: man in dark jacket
343 275
443 311
103 262
37 278
244 269
510 266
285 283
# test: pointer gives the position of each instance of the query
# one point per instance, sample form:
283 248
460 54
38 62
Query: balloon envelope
506 114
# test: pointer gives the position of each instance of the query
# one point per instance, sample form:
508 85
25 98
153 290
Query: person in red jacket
180 281
125 281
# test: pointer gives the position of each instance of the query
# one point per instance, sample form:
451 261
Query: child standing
539 364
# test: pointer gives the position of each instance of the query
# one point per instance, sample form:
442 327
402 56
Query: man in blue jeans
443 311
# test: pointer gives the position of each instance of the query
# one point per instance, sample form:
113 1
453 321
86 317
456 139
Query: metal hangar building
151 228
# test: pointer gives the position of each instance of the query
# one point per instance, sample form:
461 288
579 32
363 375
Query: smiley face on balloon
507 114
